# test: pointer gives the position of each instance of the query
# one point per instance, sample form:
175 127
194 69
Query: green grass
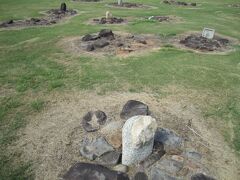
31 63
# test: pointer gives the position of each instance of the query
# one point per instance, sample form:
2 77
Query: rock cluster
111 20
179 3
127 5
158 152
204 44
160 18
52 17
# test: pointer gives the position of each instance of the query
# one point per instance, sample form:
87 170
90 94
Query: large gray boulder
138 137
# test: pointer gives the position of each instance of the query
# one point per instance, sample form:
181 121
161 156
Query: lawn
32 65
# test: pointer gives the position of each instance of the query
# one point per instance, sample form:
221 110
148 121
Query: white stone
108 15
208 33
138 137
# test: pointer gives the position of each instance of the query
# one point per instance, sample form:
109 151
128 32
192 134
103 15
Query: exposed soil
111 20
179 3
107 43
203 44
129 5
53 16
52 138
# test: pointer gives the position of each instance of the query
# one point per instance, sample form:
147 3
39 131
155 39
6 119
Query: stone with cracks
134 108
87 171
138 137
91 149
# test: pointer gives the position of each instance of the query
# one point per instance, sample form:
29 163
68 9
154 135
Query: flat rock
171 141
140 176
86 171
193 155
171 164
134 108
91 149
100 43
158 174
201 176
110 158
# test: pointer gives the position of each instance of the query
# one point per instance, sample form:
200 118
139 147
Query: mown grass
31 63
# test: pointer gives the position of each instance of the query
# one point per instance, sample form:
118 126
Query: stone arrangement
53 16
140 146
179 3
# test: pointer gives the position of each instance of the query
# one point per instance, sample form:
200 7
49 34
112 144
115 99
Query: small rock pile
111 20
204 44
179 3
128 5
135 144
160 18
52 17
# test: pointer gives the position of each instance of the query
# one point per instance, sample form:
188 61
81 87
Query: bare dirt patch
167 19
52 138
107 43
194 41
52 16
111 20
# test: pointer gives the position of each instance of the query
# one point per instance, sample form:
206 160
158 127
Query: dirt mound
179 3
201 43
108 43
52 139
111 20
53 16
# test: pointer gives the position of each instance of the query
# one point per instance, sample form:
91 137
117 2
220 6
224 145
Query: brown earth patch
178 3
52 138
120 44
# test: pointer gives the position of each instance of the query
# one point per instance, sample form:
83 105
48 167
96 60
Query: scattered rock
140 176
90 47
138 136
193 155
86 171
100 43
128 5
160 18
111 20
106 33
204 44
52 17
134 108
90 37
171 141
158 174
110 158
92 120
121 168
200 176
171 164
91 149
179 3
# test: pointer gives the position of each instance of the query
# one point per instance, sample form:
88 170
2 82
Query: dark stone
35 20
9 21
90 47
172 142
89 37
91 149
100 43
87 171
140 176
106 33
134 108
200 176
63 7
193 4
110 158
87 123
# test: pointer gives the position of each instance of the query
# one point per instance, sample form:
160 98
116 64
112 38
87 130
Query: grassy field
31 64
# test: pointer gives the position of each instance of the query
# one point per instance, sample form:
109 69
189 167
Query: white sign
208 33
